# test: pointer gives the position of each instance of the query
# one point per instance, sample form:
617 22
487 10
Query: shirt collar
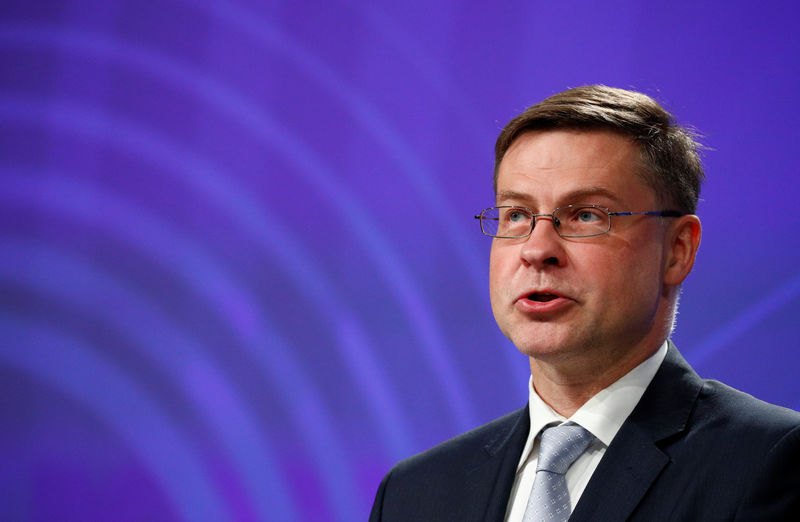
603 414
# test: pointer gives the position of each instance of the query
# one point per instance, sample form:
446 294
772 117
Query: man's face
601 296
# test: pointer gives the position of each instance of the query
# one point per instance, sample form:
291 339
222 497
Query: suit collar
631 463
634 459
503 451
666 404
506 440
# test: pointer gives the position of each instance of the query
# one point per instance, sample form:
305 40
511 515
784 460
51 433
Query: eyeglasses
510 222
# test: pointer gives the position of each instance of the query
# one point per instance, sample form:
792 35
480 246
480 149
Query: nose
544 247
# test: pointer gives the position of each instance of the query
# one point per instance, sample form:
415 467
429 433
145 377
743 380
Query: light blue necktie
560 446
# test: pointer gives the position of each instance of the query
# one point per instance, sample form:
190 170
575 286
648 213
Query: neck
567 385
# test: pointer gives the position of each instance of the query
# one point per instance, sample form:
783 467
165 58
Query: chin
548 340
542 348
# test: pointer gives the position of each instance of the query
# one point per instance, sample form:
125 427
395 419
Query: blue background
239 273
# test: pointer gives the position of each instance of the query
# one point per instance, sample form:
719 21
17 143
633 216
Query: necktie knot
560 446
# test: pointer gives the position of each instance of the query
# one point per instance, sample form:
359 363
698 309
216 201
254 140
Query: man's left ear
683 239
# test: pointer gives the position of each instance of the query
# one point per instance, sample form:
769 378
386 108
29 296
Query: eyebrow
575 196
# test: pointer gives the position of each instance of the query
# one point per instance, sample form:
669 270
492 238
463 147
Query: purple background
239 273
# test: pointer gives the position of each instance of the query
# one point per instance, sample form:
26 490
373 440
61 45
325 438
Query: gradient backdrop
239 271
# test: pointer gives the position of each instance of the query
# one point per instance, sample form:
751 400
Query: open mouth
542 298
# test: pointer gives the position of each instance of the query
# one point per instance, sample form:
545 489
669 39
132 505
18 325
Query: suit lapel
495 473
634 459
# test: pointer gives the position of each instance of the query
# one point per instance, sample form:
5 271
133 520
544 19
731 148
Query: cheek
617 274
631 279
500 271
495 264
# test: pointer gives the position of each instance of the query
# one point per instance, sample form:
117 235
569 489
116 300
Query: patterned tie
559 448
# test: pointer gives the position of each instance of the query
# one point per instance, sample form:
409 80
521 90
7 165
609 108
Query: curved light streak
385 257
371 118
65 364
260 124
251 328
264 230
423 179
748 319
449 92
63 278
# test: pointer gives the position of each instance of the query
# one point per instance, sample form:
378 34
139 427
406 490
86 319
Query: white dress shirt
602 416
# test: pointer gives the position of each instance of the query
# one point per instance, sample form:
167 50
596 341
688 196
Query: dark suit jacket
690 450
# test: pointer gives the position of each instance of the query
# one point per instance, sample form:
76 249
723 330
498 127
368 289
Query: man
594 232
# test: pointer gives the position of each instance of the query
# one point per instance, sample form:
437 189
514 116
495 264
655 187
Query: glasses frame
556 222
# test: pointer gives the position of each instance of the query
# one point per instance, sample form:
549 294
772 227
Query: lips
541 297
543 302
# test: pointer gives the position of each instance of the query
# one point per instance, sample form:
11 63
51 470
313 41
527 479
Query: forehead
555 165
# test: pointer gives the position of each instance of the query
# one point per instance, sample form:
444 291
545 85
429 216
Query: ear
683 240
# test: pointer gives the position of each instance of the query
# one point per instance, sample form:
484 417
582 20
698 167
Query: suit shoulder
739 409
457 477
677 381
462 449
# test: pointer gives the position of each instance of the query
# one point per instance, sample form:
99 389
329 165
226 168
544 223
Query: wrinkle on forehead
558 167
595 149
587 194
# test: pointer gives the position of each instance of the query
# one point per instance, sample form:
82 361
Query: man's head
669 158
607 300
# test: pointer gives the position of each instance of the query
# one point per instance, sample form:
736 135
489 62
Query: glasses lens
582 220
506 222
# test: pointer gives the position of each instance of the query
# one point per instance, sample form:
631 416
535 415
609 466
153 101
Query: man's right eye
517 216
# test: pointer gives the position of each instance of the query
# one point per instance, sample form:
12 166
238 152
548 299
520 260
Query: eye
517 215
588 215
585 215
582 221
